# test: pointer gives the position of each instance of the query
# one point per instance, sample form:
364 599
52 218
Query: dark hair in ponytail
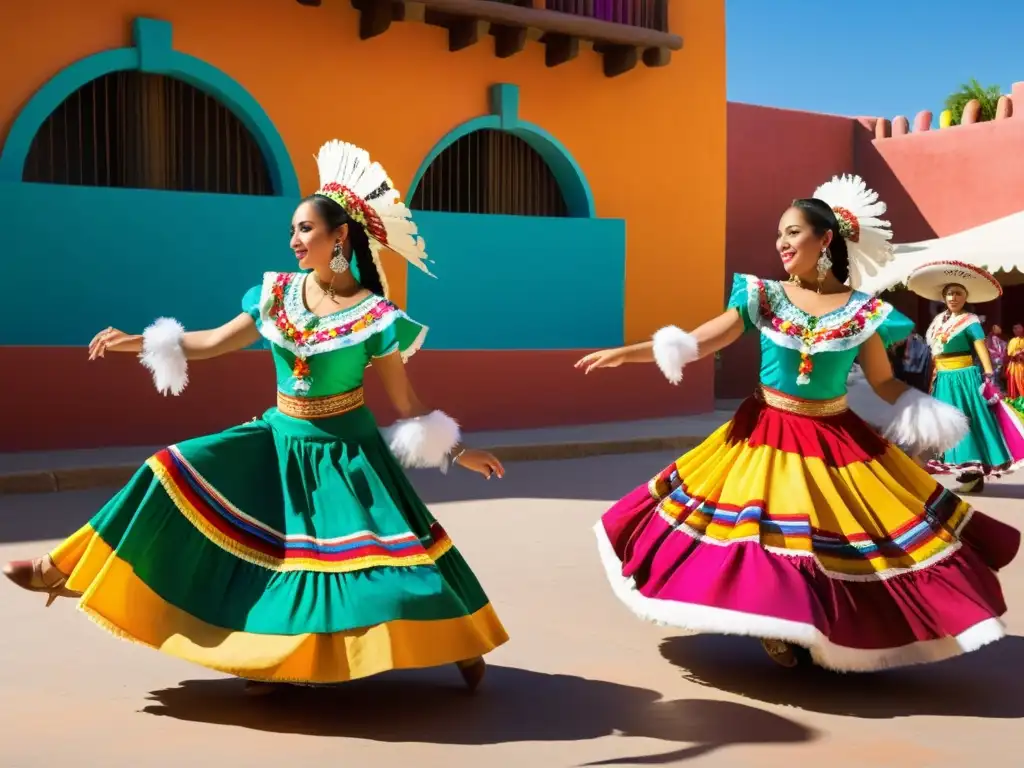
334 216
822 219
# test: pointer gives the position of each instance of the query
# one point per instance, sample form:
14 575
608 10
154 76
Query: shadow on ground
986 683
513 705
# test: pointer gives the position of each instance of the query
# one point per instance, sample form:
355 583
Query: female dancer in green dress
293 548
956 338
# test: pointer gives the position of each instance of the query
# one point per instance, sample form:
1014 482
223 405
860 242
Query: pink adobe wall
955 178
936 183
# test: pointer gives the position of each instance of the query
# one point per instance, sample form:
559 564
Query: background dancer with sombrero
797 522
994 445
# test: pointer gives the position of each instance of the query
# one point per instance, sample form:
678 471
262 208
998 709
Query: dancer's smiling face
314 234
955 296
799 245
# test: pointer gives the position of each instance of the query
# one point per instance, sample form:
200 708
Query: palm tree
987 97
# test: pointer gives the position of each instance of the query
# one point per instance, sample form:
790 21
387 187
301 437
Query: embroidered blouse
319 356
954 335
807 356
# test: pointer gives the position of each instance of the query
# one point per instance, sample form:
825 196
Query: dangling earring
824 265
338 263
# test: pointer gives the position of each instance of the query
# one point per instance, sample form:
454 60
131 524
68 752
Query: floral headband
357 209
849 225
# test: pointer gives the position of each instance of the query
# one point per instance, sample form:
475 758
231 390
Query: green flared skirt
984 450
282 550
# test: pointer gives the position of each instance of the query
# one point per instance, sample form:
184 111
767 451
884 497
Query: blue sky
869 57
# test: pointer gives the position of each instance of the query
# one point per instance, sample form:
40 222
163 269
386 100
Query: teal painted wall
510 282
123 257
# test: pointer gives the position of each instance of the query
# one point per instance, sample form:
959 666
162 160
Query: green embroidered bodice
806 356
320 356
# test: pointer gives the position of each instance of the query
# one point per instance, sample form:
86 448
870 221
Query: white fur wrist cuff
673 350
424 441
163 355
863 401
921 421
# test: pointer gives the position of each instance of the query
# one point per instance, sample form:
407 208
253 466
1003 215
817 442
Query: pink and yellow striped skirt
797 521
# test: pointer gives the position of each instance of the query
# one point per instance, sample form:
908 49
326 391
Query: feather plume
872 249
350 166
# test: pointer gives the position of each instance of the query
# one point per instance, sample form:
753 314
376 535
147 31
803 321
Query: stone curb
83 478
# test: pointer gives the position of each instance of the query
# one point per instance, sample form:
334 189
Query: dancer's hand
990 390
604 358
481 461
113 340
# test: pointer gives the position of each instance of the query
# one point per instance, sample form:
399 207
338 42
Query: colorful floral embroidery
810 334
316 330
357 208
944 327
300 372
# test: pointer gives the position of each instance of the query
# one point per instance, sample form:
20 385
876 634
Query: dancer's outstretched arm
916 422
423 437
709 338
236 334
165 348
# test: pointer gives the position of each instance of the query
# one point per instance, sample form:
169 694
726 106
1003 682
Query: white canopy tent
997 246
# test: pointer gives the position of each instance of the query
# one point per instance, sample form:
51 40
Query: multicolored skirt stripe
282 550
812 530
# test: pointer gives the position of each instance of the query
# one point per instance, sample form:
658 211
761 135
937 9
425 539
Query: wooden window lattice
143 131
490 172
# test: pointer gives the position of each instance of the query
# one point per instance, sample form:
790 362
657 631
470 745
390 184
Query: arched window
142 131
490 171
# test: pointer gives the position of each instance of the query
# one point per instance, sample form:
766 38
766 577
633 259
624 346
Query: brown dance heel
472 672
31 575
781 653
970 484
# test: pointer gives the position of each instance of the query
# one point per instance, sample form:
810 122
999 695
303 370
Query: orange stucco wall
646 149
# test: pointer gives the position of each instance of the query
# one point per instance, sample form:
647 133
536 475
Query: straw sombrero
930 279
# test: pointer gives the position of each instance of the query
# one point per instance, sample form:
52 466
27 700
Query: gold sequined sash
319 407
800 407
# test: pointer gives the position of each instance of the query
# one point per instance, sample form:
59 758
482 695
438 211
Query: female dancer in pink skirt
799 522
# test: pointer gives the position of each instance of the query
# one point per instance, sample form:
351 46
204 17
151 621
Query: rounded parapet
972 112
1004 108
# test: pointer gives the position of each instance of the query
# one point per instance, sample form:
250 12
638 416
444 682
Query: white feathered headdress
867 236
364 190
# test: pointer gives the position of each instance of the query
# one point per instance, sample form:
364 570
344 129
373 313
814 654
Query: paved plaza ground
582 682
